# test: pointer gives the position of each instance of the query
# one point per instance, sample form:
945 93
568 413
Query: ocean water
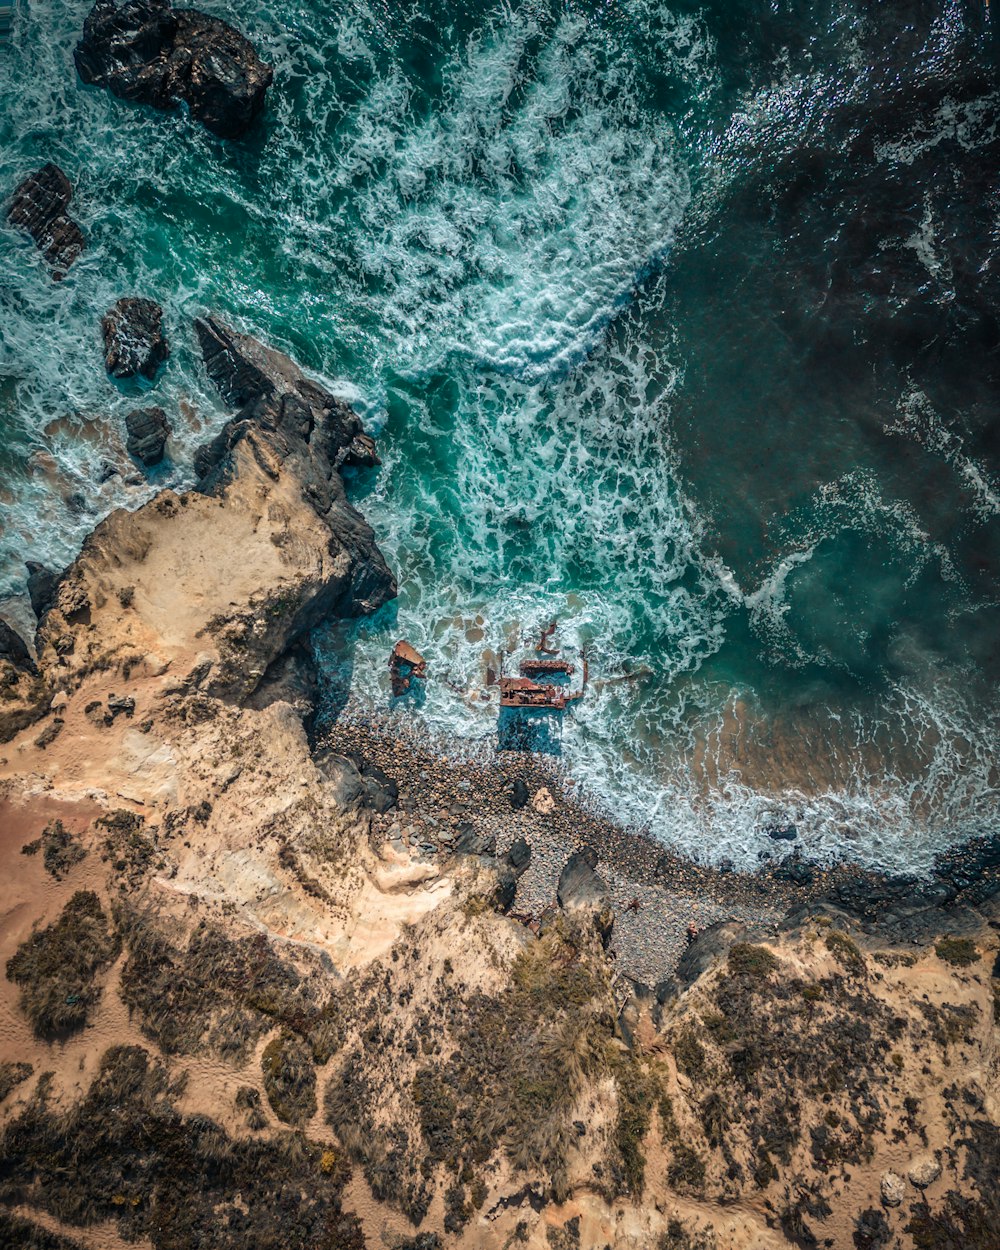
677 323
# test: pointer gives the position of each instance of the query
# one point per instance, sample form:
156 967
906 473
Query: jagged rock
471 842
270 389
14 649
893 1189
580 888
382 791
782 833
150 53
39 207
923 1171
134 345
509 870
148 430
796 871
42 584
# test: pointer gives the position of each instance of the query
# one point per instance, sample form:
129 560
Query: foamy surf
471 229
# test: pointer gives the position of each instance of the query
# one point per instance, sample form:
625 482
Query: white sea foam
466 257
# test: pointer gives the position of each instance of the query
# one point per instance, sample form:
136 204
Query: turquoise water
676 323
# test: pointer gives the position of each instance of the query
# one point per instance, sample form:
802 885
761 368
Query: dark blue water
677 323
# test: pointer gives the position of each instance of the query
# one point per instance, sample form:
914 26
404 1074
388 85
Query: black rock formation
150 53
39 207
148 430
14 649
42 583
134 345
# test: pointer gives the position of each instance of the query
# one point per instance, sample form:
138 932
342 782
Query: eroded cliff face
235 1015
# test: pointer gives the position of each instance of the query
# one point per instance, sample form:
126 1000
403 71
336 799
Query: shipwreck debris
405 664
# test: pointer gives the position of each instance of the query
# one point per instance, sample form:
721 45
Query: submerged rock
150 53
148 430
39 207
134 344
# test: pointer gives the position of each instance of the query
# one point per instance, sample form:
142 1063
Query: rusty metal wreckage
524 692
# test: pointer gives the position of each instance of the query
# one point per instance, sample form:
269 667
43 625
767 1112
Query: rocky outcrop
148 430
581 888
270 389
13 648
39 207
150 53
221 582
134 343
42 583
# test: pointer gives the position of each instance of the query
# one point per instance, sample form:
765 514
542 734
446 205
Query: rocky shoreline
434 1001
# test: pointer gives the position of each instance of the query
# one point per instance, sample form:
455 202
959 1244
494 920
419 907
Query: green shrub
960 952
12 1075
846 952
747 960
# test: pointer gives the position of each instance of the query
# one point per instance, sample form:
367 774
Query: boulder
519 794
923 1171
150 53
580 888
134 345
148 430
509 870
712 943
893 1189
39 207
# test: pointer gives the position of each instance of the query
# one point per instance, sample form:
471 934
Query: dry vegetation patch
57 967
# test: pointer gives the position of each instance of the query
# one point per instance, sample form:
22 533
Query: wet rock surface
147 52
134 343
40 207
148 430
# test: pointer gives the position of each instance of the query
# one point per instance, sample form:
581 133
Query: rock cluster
134 343
40 207
148 52
148 430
